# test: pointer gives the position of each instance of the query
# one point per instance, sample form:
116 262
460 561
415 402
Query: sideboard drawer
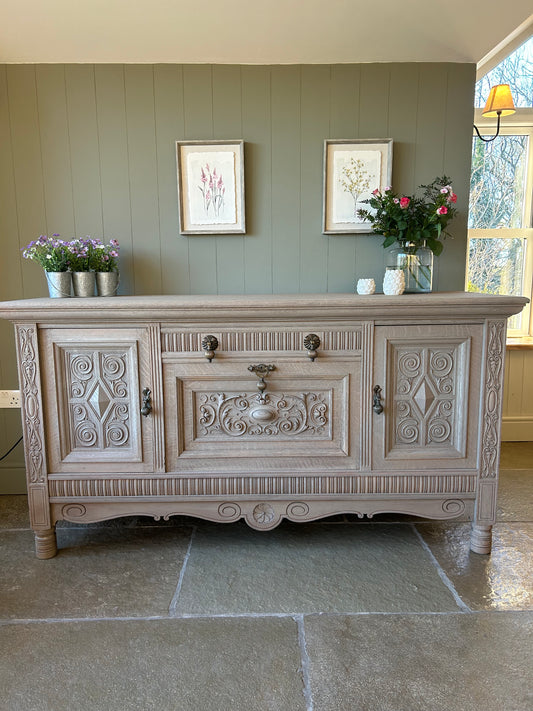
305 416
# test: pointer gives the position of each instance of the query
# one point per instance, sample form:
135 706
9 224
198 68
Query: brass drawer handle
261 370
312 344
209 344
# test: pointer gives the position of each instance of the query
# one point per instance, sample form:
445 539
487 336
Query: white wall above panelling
253 32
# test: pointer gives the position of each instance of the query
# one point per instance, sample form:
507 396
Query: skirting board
517 429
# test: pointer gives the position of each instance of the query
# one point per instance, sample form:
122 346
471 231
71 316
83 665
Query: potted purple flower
54 257
105 264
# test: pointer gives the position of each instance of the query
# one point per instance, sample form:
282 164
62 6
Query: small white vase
366 286
394 282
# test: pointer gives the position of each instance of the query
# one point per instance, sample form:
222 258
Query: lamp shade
500 102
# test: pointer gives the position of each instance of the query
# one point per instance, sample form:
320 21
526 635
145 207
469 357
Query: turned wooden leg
45 543
481 538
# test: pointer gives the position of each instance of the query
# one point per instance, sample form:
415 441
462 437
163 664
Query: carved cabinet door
427 384
93 381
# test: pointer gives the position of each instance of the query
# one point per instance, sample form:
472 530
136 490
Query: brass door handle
146 409
377 405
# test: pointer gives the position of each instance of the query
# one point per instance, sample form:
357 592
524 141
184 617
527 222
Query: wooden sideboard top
445 307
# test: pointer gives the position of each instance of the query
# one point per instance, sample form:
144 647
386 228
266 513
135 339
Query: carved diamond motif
424 397
99 400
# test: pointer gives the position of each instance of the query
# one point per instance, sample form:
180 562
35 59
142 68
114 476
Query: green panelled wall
90 150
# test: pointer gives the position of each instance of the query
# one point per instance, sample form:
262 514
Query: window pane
515 70
497 183
496 266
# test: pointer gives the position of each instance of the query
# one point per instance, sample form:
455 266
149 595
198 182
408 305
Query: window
500 255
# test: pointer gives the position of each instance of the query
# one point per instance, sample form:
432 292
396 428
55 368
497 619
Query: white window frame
521 124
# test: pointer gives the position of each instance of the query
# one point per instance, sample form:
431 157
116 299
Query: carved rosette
238 415
33 443
425 396
98 399
492 399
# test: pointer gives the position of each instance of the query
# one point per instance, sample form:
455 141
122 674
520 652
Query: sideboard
261 407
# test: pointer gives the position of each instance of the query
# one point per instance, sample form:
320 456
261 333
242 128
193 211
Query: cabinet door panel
429 375
307 418
92 401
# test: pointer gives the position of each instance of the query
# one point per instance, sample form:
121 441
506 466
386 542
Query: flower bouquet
417 224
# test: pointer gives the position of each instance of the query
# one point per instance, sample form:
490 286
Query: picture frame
211 187
353 168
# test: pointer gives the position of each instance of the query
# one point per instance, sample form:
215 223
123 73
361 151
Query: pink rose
442 210
376 192
388 188
404 202
395 201
444 190
452 198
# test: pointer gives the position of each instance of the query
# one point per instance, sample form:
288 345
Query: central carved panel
273 415
425 396
98 399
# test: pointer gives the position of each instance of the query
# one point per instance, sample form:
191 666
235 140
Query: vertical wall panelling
144 188
227 123
316 84
198 107
256 131
114 166
84 150
457 160
169 119
373 123
343 124
11 469
286 178
28 168
55 150
403 123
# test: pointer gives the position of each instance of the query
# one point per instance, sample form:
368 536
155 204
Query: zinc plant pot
59 284
107 283
83 283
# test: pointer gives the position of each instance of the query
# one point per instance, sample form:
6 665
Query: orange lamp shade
500 102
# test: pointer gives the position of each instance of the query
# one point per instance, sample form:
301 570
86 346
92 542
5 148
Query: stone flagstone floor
345 615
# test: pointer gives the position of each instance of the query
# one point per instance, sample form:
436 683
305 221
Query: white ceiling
255 31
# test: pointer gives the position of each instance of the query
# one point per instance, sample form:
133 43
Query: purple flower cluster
78 255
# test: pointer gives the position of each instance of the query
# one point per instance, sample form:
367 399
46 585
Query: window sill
519 343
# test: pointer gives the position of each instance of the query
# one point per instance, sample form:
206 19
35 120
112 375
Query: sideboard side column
367 377
490 435
34 439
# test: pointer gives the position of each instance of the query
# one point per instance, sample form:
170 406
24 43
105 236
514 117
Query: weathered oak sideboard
261 407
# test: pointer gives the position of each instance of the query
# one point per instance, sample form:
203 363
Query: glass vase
416 262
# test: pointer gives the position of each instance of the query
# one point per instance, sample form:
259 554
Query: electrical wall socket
9 398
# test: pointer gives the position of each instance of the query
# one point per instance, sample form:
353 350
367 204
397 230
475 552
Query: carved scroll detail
243 414
32 406
98 400
492 399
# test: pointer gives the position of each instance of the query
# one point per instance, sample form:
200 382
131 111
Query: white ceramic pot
394 282
366 286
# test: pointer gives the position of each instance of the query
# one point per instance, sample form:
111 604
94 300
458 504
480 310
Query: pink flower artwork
212 188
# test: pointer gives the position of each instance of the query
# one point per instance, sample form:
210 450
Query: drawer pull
261 370
209 344
376 401
146 409
312 344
